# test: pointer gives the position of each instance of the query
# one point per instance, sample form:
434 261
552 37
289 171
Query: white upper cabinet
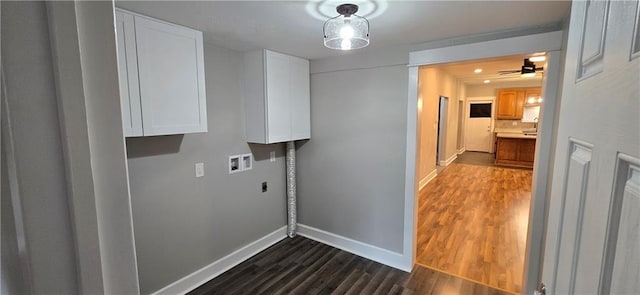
161 68
277 100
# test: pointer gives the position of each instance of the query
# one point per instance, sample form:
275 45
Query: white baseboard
374 253
449 161
462 150
423 182
223 264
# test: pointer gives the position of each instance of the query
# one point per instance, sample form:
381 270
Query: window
480 110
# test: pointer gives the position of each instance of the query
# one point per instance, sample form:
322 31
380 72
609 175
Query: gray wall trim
75 143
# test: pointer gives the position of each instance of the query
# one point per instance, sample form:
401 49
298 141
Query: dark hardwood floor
304 266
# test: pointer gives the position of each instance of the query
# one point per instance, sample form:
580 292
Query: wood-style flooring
472 223
304 266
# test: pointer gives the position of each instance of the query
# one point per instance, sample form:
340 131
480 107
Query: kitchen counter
515 135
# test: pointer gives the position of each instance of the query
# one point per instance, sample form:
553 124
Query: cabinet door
526 150
300 102
172 86
507 149
507 100
519 104
532 94
128 75
278 83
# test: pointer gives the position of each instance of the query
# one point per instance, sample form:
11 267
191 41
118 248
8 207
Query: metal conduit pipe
291 189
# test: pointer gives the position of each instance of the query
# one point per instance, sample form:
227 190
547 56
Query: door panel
573 203
589 249
623 238
279 94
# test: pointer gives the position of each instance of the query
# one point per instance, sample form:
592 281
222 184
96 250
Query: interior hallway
472 223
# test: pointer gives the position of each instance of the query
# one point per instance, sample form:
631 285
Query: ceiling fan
527 70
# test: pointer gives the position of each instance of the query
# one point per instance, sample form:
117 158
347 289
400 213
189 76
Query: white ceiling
464 71
295 27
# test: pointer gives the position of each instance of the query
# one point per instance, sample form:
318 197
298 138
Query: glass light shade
346 32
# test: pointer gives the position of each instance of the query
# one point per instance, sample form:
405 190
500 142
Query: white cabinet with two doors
277 98
161 72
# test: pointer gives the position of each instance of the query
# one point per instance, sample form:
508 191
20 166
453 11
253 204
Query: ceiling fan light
528 75
346 31
539 58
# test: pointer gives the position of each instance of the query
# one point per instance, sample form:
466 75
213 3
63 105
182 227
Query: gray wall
351 172
183 223
40 169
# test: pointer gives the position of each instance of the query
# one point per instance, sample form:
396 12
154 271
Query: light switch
272 157
199 169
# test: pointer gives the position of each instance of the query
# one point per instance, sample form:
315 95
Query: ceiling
295 27
464 71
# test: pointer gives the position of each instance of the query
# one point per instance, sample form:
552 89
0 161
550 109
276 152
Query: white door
592 243
478 131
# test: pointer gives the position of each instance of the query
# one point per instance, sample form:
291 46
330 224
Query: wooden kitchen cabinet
532 93
161 74
277 102
511 102
517 152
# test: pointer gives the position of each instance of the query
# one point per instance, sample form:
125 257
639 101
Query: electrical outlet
264 186
199 169
272 157
514 123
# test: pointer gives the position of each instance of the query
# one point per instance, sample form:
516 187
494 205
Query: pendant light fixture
346 31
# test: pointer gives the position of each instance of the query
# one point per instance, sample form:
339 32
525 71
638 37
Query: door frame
443 119
550 42
481 99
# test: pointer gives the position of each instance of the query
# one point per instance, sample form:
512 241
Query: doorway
471 211
443 109
500 197
460 145
550 42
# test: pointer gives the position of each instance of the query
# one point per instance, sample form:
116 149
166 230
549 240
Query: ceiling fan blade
506 72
